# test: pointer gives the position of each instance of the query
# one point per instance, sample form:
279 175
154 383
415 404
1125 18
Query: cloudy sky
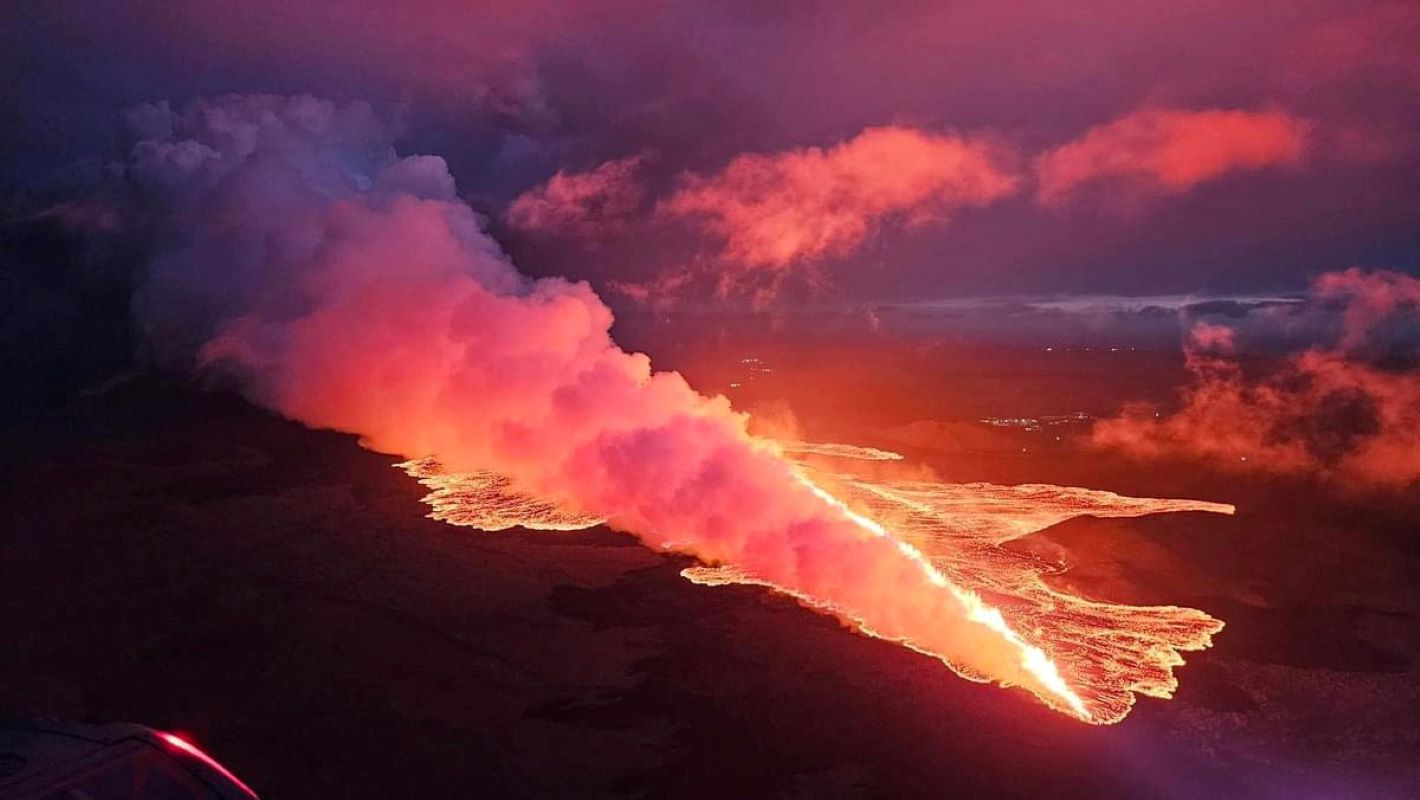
759 153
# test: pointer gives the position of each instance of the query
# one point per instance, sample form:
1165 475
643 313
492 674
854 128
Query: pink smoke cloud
599 201
1168 151
360 295
777 212
1324 412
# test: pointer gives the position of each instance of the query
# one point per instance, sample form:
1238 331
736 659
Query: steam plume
349 289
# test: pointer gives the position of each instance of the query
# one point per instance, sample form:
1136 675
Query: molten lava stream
1048 684
1085 658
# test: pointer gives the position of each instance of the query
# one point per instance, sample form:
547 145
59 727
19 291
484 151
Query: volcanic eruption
351 289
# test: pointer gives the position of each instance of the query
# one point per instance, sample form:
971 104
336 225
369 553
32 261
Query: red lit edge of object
191 749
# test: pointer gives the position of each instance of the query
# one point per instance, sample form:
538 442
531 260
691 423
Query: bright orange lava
1086 658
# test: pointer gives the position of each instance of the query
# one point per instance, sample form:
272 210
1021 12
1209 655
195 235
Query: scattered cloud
584 204
1168 151
774 213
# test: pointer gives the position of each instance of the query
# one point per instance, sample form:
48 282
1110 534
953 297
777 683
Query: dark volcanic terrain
180 559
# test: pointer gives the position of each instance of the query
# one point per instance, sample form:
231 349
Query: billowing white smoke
349 288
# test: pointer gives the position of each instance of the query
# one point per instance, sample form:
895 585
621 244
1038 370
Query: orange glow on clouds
765 219
1167 151
777 210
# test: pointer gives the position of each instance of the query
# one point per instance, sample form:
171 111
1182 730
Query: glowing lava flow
487 501
1102 654
1033 659
795 449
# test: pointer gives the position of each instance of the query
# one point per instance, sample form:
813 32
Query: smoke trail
350 289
